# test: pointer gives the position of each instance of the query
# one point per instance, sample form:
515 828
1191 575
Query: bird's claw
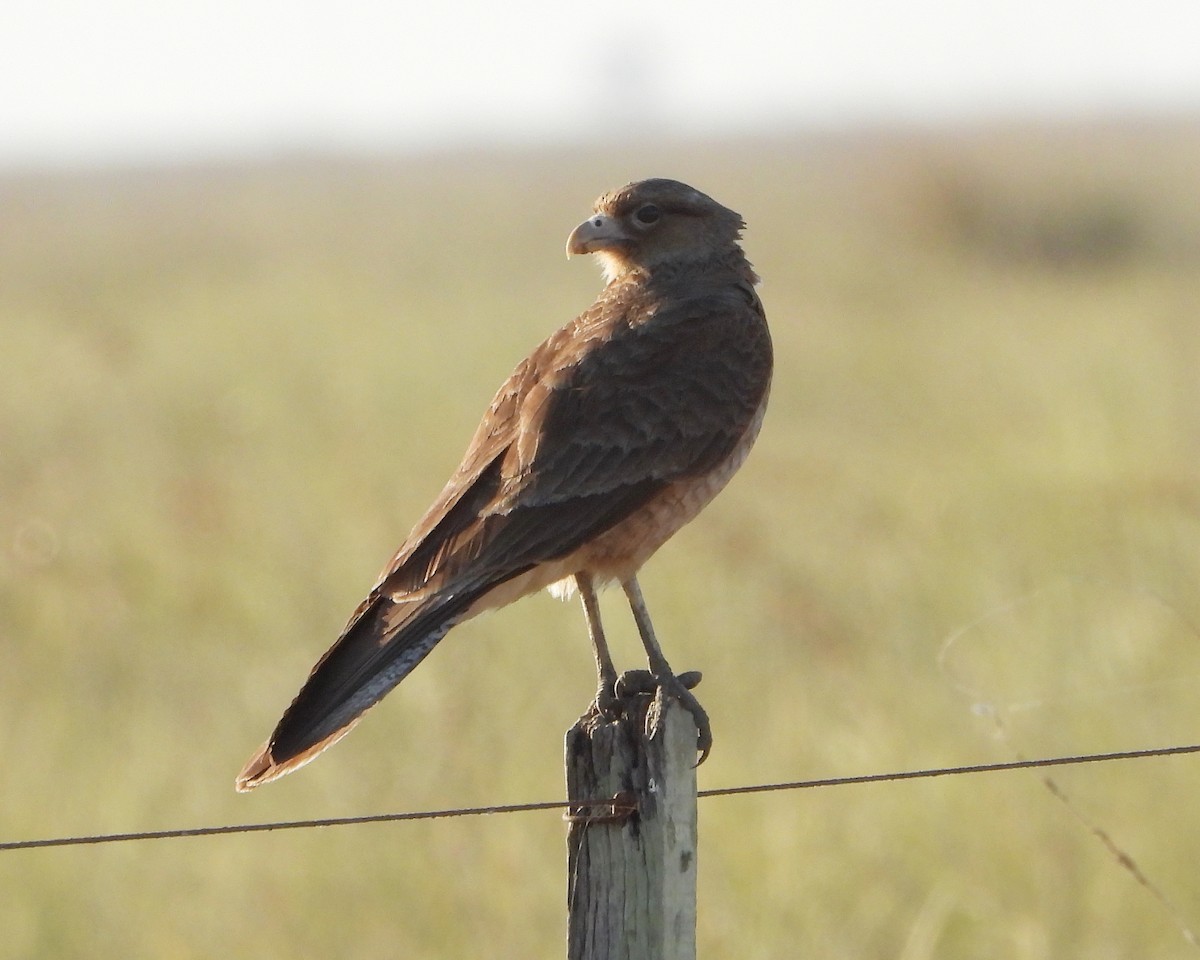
634 682
690 678
608 699
679 687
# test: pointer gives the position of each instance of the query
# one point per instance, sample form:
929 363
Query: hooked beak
597 232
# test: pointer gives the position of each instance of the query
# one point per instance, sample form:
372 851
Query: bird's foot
607 704
679 687
633 682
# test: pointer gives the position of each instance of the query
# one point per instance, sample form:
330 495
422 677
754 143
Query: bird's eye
648 214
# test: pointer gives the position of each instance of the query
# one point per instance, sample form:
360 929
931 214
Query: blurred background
261 269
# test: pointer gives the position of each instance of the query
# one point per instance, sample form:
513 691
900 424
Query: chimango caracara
607 439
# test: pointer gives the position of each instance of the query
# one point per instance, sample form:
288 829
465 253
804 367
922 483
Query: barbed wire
890 777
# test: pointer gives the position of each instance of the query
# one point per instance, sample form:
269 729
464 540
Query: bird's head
651 222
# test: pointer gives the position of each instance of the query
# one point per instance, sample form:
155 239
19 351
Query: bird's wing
600 419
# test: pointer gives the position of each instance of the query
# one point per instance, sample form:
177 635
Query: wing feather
588 430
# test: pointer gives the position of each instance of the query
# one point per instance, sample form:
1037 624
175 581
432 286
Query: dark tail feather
354 674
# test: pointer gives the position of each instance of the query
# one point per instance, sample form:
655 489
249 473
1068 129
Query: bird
609 437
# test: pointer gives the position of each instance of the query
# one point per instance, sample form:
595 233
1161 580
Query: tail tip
259 769
265 766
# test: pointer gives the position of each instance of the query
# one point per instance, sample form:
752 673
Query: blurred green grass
229 391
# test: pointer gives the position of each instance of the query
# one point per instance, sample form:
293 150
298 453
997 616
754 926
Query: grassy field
970 530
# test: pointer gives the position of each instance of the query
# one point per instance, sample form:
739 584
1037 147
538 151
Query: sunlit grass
227 394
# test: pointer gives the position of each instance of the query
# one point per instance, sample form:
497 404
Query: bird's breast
620 552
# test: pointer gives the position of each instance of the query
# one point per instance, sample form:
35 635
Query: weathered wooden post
631 886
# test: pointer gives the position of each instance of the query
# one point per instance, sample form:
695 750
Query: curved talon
704 738
678 687
608 700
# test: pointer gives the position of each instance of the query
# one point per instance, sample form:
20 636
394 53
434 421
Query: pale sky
86 81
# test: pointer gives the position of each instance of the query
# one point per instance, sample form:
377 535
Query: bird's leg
663 674
606 673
